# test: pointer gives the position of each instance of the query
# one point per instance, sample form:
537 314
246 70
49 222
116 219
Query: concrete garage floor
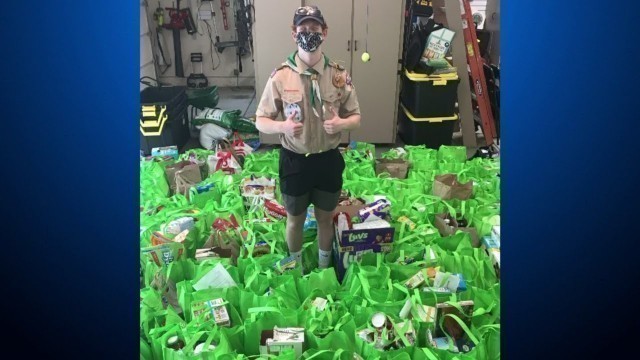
244 99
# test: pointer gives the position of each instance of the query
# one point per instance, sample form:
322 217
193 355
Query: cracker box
350 245
213 308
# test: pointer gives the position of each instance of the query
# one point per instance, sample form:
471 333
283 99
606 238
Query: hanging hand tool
162 56
223 7
180 19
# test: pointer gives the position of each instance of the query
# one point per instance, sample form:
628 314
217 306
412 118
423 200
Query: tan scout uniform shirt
290 87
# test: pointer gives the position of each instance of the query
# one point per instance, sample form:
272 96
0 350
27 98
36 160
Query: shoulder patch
336 66
283 65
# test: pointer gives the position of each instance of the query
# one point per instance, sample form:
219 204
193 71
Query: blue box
165 151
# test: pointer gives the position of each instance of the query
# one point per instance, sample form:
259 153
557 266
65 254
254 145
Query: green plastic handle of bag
429 354
464 327
320 352
256 310
197 336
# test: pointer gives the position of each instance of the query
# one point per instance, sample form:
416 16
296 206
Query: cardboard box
425 313
285 264
165 151
416 280
350 245
213 308
273 342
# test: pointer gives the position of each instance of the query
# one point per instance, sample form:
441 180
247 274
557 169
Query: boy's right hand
291 127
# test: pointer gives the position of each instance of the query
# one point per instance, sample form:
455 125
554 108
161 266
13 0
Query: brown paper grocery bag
451 228
473 234
442 226
397 168
447 187
187 172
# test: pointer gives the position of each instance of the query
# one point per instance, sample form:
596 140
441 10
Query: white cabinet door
376 81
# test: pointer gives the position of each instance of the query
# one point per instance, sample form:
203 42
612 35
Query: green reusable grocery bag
477 269
155 208
265 318
145 350
452 153
204 266
230 204
324 280
262 164
486 304
152 313
449 167
369 351
203 193
339 338
331 353
310 254
459 243
422 159
153 184
484 217
191 335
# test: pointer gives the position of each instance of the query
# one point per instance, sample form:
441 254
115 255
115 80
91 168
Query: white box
285 338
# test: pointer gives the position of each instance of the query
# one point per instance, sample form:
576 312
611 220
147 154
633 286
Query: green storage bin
203 98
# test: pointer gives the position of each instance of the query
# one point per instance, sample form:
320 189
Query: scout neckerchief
315 87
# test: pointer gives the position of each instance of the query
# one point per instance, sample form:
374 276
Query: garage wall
147 67
479 6
200 42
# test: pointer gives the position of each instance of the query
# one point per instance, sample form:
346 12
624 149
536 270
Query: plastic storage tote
429 96
163 119
431 132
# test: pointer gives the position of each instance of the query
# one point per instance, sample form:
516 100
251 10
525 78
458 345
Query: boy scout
318 102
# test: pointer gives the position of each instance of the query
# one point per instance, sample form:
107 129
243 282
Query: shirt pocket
331 100
292 102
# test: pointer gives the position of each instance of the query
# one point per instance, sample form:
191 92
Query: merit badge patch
290 108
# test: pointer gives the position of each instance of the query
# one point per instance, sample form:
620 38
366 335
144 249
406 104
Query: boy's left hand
335 124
